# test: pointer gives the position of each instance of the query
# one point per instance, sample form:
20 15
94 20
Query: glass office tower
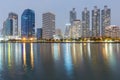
28 23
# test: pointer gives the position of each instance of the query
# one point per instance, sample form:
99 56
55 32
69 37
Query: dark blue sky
61 9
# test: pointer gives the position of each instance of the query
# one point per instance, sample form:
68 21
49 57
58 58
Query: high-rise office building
73 16
67 31
96 22
7 27
14 18
10 26
105 19
85 23
39 33
76 30
3 29
28 23
48 25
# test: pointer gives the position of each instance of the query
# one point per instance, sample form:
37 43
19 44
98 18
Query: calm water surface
59 61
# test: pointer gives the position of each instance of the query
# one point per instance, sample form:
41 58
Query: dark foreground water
59 61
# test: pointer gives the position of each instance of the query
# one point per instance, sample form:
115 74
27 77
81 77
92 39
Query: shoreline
59 41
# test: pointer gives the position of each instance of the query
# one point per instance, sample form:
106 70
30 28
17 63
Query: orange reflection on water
74 53
105 51
108 51
109 55
9 56
89 50
81 51
59 49
32 55
24 54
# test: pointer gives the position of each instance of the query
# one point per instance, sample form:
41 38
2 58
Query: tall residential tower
105 19
48 25
73 16
96 22
85 23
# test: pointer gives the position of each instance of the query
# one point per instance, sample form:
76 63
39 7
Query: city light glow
24 39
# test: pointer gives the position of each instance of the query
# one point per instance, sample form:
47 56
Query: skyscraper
48 25
73 16
7 27
76 30
28 23
67 31
85 23
105 19
10 26
96 22
14 19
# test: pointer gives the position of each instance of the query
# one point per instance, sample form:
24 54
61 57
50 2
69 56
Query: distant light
24 38
31 39
68 24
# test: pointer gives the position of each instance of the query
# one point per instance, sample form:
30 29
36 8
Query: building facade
105 19
48 25
28 23
76 30
39 33
73 16
95 22
86 23
7 27
67 31
112 31
10 25
58 34
14 23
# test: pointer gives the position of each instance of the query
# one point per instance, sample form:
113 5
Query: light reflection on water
24 54
32 55
59 61
67 59
56 51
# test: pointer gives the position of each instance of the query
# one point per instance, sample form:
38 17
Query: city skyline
62 12
59 40
48 23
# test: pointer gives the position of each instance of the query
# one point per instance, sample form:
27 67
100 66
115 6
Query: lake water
59 61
